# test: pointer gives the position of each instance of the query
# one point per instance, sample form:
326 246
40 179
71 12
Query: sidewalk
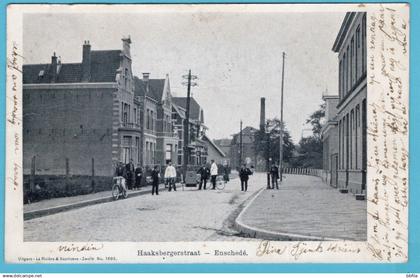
56 205
304 208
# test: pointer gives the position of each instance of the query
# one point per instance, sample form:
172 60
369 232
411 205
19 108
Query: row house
197 146
160 137
80 118
350 45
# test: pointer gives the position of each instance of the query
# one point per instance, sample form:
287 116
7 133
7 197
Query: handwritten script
387 132
14 79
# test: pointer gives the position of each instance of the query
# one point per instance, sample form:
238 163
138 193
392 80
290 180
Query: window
125 113
339 143
352 71
168 152
126 78
348 72
351 137
344 75
363 41
356 130
152 127
340 79
135 115
358 71
148 119
126 149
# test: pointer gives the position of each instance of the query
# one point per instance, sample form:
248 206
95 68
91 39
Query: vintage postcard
190 133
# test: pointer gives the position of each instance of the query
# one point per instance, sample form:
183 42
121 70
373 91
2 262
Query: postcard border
414 192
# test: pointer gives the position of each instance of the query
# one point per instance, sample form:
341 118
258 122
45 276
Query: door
334 172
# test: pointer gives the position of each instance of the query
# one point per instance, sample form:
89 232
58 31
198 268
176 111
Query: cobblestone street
188 215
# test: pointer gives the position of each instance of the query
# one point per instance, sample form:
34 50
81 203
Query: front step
360 197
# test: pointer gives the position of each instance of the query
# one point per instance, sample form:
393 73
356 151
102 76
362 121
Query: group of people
212 173
132 175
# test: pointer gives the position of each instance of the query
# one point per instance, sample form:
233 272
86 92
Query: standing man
170 176
213 172
274 172
120 170
129 167
204 176
138 173
244 174
155 180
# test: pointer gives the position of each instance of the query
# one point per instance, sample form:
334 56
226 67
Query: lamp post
267 133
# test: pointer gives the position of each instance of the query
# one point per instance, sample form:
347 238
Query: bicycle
118 188
220 182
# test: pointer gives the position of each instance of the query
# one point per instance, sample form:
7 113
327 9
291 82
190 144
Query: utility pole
281 123
240 145
189 77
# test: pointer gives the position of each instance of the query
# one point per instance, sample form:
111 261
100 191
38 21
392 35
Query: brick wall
68 123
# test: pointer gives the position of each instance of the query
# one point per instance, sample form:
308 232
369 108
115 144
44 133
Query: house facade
197 146
350 45
79 119
160 138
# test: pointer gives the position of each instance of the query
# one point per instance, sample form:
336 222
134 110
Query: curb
53 210
253 232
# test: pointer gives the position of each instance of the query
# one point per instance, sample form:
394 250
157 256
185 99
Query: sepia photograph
208 123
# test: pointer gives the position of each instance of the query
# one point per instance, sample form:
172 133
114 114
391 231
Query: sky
237 56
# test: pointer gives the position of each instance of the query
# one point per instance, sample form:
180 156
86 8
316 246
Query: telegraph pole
281 122
240 145
189 77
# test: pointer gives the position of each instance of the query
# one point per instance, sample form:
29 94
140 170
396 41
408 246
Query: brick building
350 45
249 153
160 135
80 118
197 146
329 135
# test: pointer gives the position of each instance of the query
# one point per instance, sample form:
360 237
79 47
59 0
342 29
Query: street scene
195 132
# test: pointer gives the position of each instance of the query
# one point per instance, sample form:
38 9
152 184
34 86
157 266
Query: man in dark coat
129 167
244 174
274 172
120 170
204 172
155 180
139 174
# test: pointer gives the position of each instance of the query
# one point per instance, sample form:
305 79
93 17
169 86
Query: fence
305 171
39 186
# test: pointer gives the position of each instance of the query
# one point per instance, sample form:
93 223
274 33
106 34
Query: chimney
262 114
86 62
146 76
53 68
126 46
146 80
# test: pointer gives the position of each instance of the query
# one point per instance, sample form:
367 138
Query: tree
310 148
315 119
274 133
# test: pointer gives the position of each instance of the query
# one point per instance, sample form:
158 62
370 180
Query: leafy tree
274 130
310 148
315 119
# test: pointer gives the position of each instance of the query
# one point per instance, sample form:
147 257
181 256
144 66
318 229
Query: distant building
79 119
249 153
214 152
350 45
329 135
225 146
